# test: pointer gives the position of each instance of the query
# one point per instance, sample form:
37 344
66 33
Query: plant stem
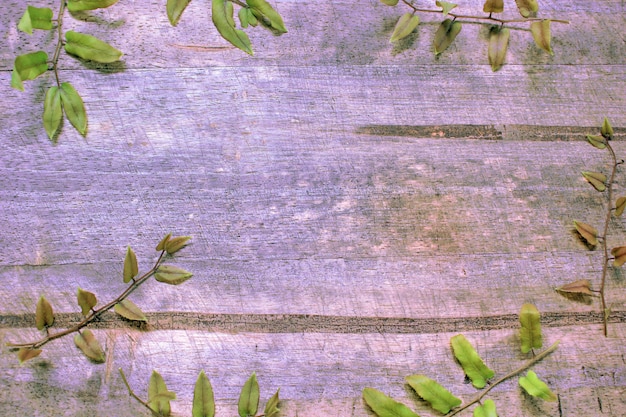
94 314
57 51
514 372
607 220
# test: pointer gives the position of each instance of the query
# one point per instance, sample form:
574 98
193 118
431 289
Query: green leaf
597 179
587 232
203 400
445 35
35 18
171 274
131 269
271 407
74 108
439 398
498 44
28 67
620 256
86 300
530 333
163 242
52 111
486 409
43 314
175 9
446 7
90 48
527 7
24 354
78 5
267 14
405 25
385 406
158 395
87 342
607 130
249 397
472 364
244 16
536 387
541 34
129 310
222 16
389 2
493 6
596 141
174 244
620 204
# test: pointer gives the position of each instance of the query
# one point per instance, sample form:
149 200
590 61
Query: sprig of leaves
87 301
580 289
451 26
443 401
159 397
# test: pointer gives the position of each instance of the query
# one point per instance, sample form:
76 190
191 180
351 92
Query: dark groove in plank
302 323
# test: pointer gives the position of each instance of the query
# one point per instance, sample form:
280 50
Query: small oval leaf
267 14
24 354
439 398
222 17
158 395
52 111
385 406
74 107
163 242
389 2
405 25
175 244
607 130
445 35
78 5
472 364
541 35
486 409
498 44
89 345
581 287
620 204
271 407
527 8
249 398
203 399
587 232
131 269
620 256
44 316
597 141
28 67
175 9
536 387
445 6
35 18
90 48
86 301
171 274
493 6
129 310
530 333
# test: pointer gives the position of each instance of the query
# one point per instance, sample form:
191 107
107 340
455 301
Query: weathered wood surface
353 205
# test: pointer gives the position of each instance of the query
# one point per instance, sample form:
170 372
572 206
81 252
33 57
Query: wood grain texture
353 204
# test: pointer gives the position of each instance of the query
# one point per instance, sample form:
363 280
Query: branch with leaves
87 301
443 401
498 34
580 290
203 405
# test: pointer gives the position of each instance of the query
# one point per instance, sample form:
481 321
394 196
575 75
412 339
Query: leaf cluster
88 301
443 401
499 35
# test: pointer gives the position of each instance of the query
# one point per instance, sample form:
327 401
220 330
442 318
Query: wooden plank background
353 204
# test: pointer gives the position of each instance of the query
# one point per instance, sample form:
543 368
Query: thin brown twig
57 50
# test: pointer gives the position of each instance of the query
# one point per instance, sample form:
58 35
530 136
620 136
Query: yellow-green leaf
28 67
486 409
620 204
52 111
587 232
530 333
74 107
439 398
175 244
43 314
203 400
536 387
161 245
597 179
171 274
244 16
86 300
87 342
385 406
131 269
405 25
597 141
620 255
78 5
493 6
222 17
541 34
578 287
24 354
267 14
498 44
445 35
175 9
271 407
472 364
90 48
249 398
607 130
159 396
389 2
129 310
35 18
445 6
527 7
